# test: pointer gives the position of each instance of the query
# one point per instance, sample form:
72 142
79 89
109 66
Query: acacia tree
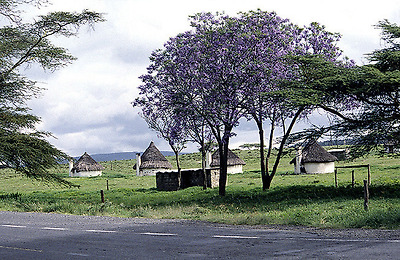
377 87
318 87
22 147
373 89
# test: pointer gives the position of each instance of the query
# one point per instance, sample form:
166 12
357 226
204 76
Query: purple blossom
227 68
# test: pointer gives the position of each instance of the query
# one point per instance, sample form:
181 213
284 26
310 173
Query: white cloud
87 104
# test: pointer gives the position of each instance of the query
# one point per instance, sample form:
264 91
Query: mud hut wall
168 181
86 174
327 167
233 169
213 177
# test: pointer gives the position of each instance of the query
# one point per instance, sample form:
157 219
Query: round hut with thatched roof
314 159
86 166
151 161
235 164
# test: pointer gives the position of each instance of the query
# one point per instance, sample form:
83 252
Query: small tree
198 131
166 123
250 146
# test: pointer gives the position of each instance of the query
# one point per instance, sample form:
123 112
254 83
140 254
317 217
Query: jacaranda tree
198 71
267 40
227 68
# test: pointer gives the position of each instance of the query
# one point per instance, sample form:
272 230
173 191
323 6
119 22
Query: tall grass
310 200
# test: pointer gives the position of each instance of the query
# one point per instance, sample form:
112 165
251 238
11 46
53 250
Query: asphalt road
55 236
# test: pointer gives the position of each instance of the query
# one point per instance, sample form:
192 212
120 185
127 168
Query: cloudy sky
87 104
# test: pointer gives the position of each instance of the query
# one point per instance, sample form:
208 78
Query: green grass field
309 200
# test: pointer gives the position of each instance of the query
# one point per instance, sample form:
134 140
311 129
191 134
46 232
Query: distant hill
336 142
119 156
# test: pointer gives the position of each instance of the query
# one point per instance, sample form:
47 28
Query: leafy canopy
222 70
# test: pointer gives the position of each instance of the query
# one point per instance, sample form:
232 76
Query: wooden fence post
107 184
369 174
352 178
336 182
102 196
366 195
357 166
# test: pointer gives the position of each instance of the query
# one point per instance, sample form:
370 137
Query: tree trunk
223 160
266 181
221 188
203 164
262 157
179 169
270 144
281 146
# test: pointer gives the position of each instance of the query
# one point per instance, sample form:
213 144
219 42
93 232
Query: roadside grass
307 200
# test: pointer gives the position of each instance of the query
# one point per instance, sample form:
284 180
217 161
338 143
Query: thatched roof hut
152 159
315 153
86 166
314 159
235 164
233 159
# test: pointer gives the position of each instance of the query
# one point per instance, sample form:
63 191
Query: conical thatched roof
86 163
152 158
233 159
313 152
